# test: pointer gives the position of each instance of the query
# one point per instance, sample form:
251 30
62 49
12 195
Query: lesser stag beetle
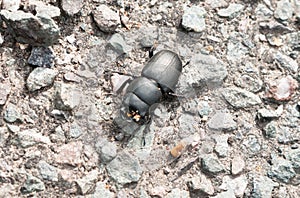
159 77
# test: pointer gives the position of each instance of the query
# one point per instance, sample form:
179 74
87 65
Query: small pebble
237 165
71 7
106 19
231 11
283 89
42 57
284 10
40 77
222 121
193 19
32 184
11 5
211 164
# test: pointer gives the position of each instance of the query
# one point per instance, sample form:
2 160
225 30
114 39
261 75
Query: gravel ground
232 131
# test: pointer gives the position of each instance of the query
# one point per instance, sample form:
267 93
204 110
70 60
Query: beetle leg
187 63
152 49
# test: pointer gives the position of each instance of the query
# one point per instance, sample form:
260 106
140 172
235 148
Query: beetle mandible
159 77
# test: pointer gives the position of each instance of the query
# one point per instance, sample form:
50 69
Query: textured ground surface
232 132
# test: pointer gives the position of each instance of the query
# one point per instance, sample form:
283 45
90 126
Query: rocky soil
232 131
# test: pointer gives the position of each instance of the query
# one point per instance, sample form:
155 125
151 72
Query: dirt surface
231 131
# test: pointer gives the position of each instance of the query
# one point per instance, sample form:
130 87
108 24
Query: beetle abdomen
165 68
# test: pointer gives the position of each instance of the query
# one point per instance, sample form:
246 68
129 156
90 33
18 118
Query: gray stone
281 169
119 83
68 96
58 135
12 114
44 10
263 12
240 98
101 191
118 43
72 77
156 159
249 82
31 137
193 19
177 193
4 92
286 62
201 184
221 146
231 11
204 109
226 194
293 39
40 77
71 7
217 3
269 114
87 183
271 129
13 128
252 143
262 187
222 121
124 168
106 19
297 8
47 171
93 58
237 165
203 70
236 48
211 164
187 125
108 152
32 184
11 5
30 29
190 106
70 154
292 115
285 135
42 57
150 36
237 184
75 130
284 10
294 157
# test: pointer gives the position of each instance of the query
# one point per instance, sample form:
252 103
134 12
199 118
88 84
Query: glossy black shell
165 68
159 76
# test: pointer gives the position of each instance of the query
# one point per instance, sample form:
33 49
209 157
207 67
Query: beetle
159 78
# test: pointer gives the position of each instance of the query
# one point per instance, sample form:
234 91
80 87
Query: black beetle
159 77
